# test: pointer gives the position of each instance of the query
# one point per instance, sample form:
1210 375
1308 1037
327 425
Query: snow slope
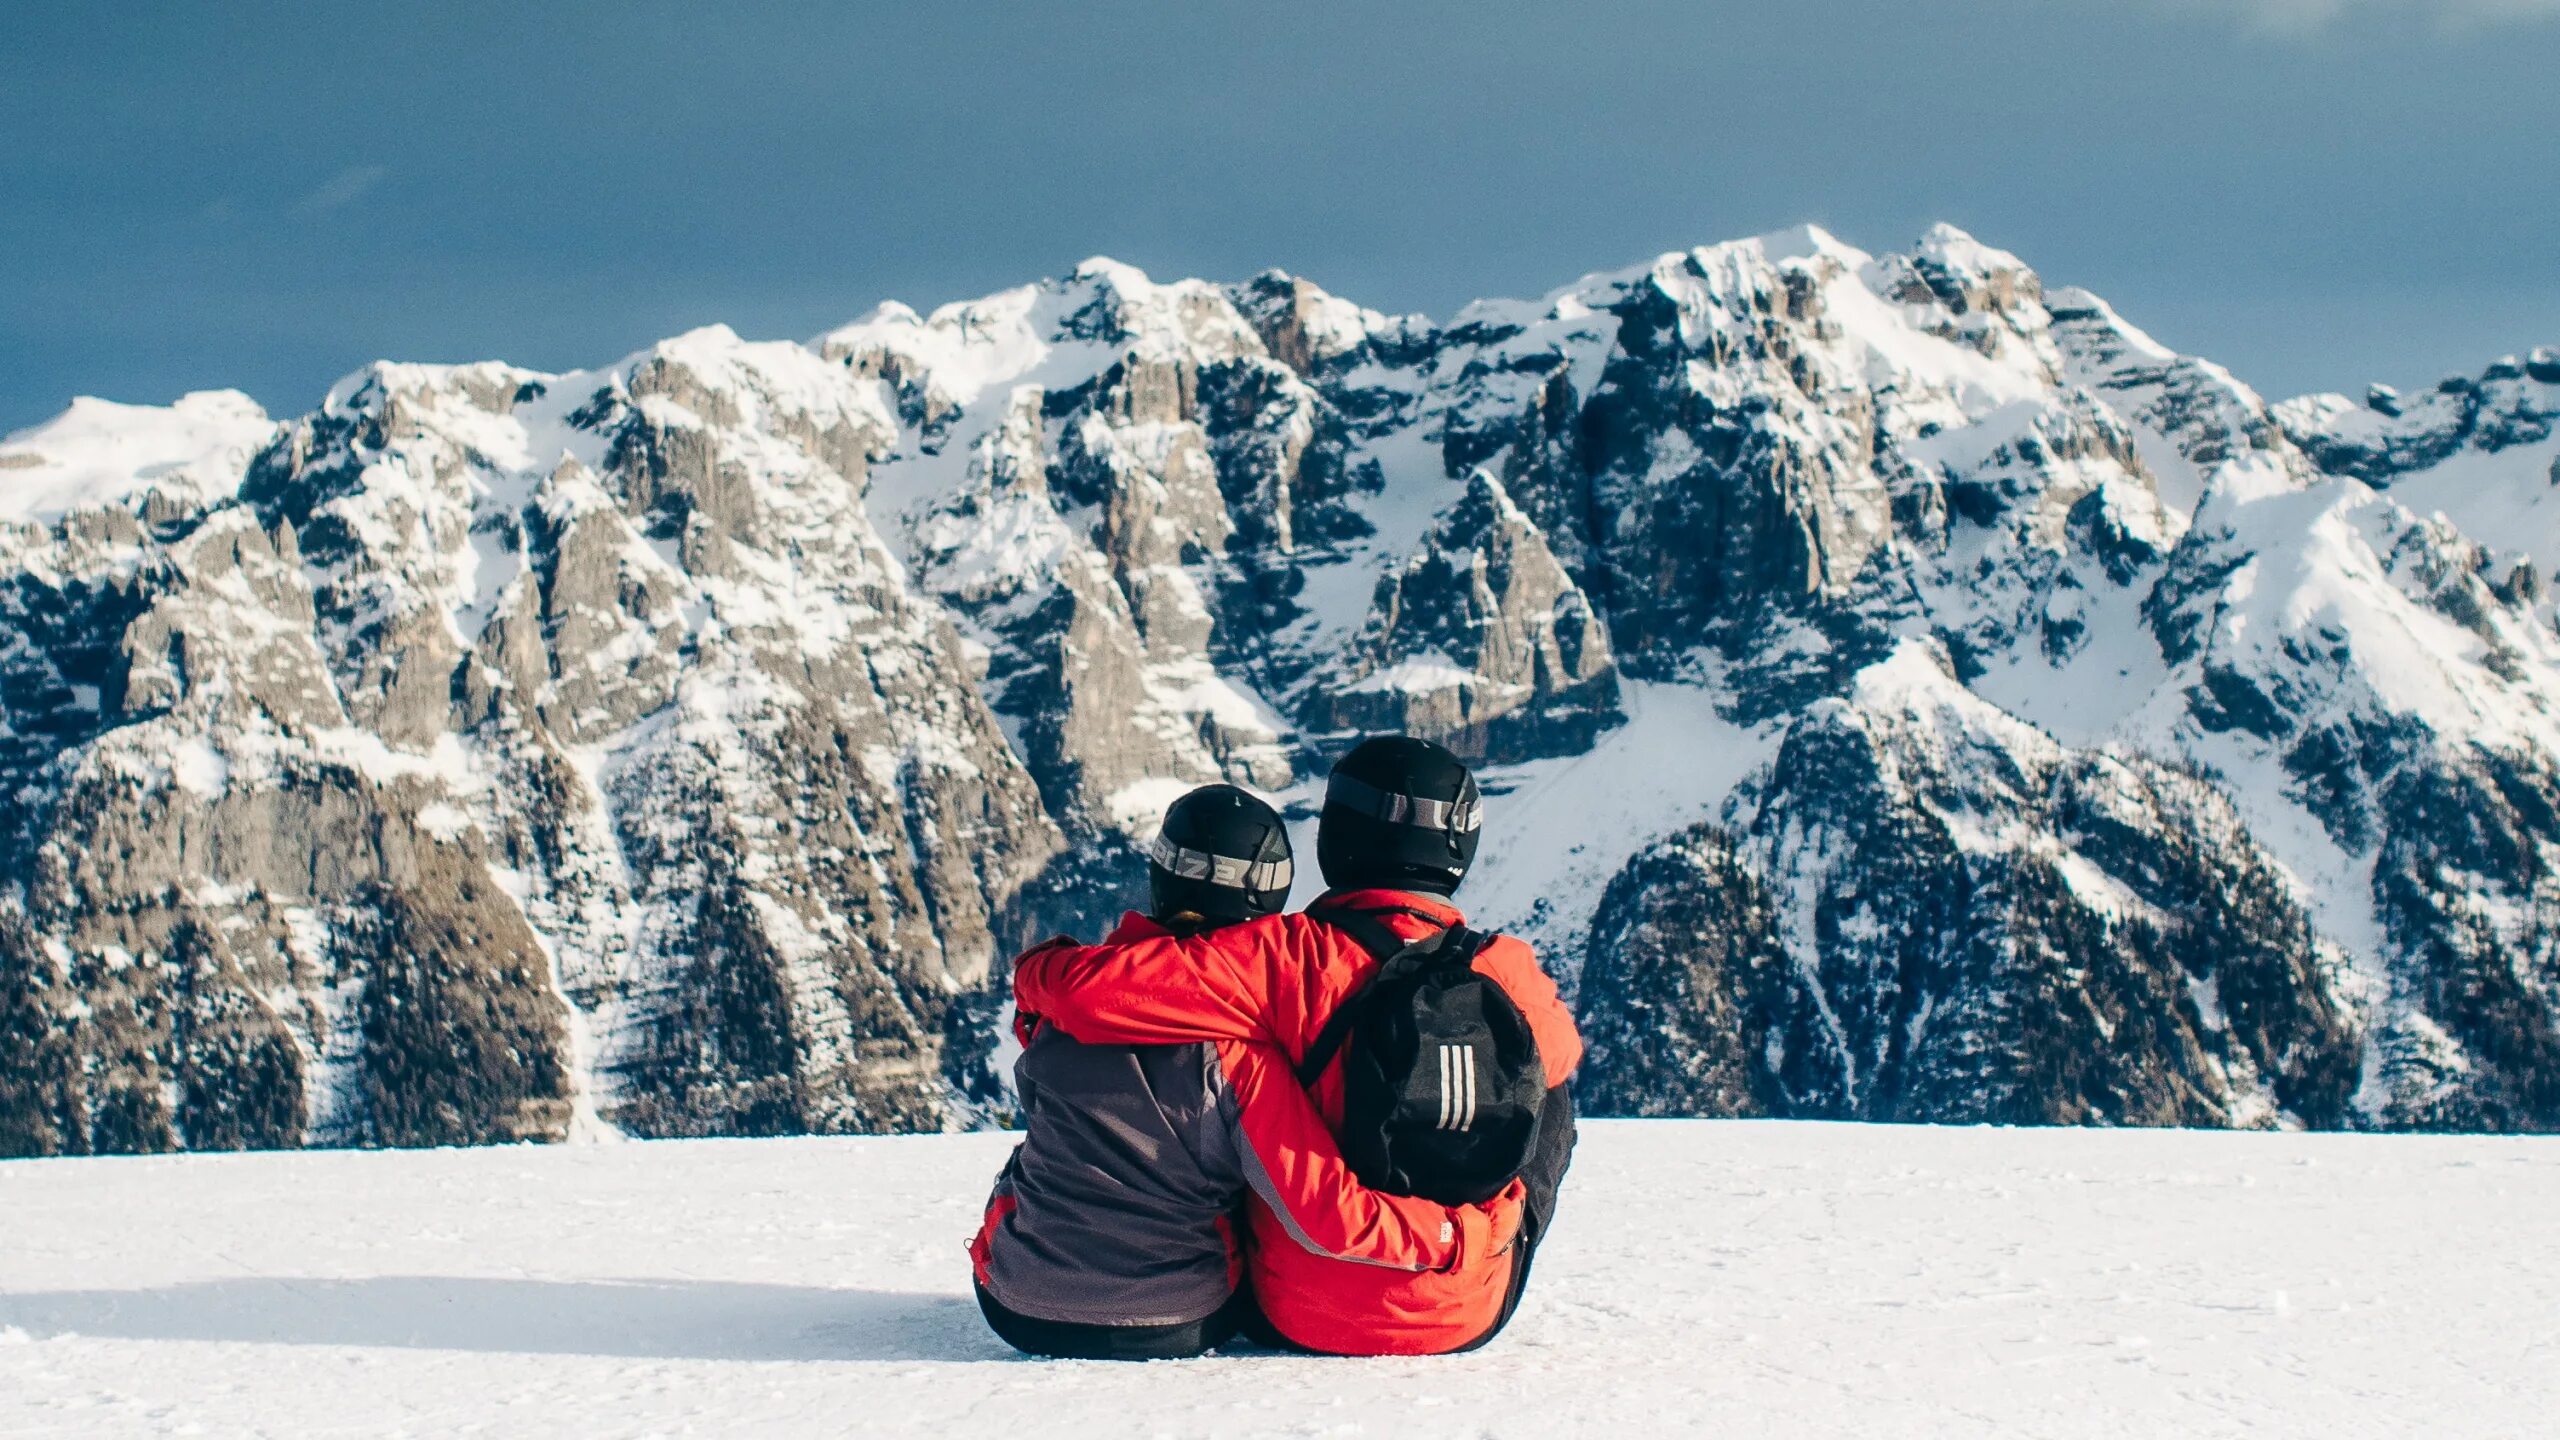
1705 1277
99 452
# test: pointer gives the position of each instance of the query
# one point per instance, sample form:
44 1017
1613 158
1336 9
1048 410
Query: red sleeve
1158 991
1293 1162
1026 1021
1509 963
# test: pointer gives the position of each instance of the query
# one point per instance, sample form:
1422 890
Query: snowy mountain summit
1906 692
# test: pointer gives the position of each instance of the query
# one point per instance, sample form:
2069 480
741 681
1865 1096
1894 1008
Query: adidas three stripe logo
1457 1087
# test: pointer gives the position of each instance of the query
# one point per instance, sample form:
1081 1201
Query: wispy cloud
340 190
2303 17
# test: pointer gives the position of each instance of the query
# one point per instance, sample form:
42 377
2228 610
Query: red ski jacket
1276 981
1113 1209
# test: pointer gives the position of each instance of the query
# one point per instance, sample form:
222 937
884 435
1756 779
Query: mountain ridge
679 746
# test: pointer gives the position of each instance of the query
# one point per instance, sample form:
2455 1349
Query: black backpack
1441 1079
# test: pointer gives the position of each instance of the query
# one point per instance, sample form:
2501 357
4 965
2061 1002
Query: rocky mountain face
1905 692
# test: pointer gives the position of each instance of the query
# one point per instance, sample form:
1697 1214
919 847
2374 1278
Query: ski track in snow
1747 1278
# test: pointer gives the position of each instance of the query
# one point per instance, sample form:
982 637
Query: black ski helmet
1400 813
1221 855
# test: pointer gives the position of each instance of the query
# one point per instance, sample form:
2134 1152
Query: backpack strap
1396 956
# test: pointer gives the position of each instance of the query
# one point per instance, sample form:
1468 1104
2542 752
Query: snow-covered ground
1705 1278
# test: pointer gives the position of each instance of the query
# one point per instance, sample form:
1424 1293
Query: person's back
1328 1306
1108 1234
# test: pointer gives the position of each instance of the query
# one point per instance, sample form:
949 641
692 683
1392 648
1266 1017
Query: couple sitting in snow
1338 1131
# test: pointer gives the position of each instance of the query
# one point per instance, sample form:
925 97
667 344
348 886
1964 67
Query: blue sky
2316 192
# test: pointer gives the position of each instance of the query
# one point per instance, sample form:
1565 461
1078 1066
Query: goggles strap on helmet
1458 817
1225 871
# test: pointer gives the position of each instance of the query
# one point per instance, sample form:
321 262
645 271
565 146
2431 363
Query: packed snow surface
1704 1277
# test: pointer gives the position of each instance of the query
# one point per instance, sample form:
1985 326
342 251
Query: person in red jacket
1396 836
1108 1235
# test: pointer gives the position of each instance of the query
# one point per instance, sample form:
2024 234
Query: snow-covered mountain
1907 692
1760 1277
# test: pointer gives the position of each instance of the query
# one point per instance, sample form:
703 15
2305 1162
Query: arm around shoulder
1161 990
1295 1165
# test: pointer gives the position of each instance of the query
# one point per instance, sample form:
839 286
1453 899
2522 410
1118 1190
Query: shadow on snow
636 1319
